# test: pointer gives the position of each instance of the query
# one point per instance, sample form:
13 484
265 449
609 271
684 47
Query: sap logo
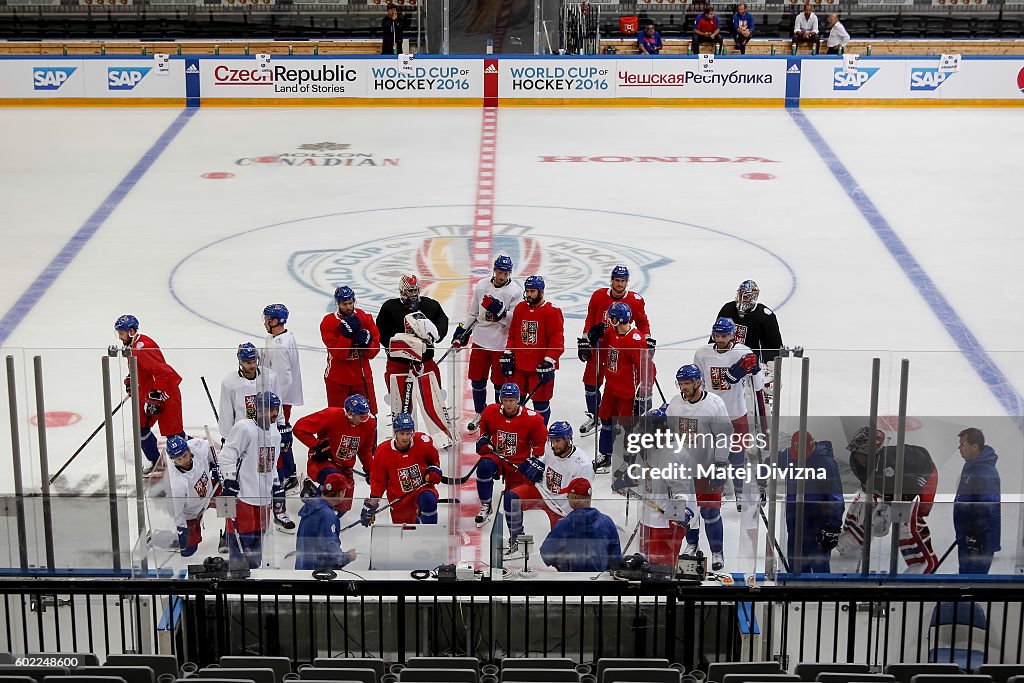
51 77
841 80
928 78
119 78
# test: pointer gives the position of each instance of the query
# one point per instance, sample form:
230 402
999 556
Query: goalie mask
746 296
409 291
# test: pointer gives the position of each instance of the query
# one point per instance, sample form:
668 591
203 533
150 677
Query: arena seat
160 664
855 678
131 674
281 666
352 663
642 675
254 675
435 675
754 677
83 658
444 663
627 663
904 672
950 678
6 658
1001 673
17 679
37 673
808 671
717 671
548 663
349 674
75 677
521 675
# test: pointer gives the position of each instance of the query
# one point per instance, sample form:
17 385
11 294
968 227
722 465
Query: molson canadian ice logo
572 268
337 154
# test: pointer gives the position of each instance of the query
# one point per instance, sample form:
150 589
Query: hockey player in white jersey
494 298
238 392
546 476
724 363
194 480
702 420
281 355
248 464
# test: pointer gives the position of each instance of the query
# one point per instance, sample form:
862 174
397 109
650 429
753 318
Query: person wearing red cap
317 545
586 540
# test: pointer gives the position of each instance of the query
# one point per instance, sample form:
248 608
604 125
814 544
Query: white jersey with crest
281 354
489 333
190 491
714 364
558 472
249 456
237 395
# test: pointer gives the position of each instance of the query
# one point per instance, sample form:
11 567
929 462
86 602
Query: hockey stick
386 507
459 481
90 438
631 537
661 393
454 348
597 405
209 397
944 556
775 541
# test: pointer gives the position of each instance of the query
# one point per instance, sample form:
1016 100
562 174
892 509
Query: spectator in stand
394 31
806 29
742 28
649 41
705 30
976 513
837 35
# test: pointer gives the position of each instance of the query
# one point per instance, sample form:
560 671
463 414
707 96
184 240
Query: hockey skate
484 515
690 550
622 481
309 489
155 468
222 544
283 522
590 426
717 561
603 464
474 424
291 485
511 552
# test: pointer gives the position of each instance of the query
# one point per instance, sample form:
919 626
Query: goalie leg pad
431 400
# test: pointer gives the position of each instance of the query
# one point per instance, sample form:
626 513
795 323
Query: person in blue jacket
823 506
649 41
976 514
586 540
742 32
317 545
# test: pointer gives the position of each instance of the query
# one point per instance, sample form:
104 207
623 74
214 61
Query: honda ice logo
928 78
51 77
841 80
119 78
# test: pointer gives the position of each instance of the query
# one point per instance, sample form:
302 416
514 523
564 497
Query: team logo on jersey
552 480
202 485
530 332
573 267
718 381
409 477
250 407
687 425
613 360
507 443
348 447
266 459
741 334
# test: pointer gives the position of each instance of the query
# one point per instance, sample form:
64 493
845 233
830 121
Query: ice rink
888 233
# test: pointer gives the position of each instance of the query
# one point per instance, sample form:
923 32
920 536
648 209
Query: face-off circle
218 175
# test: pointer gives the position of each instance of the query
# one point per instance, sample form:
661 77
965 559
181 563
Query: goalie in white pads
194 479
418 391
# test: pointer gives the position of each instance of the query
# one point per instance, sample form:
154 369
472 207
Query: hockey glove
494 307
583 349
828 537
321 452
684 524
742 368
155 402
285 431
658 418
230 488
368 513
533 469
433 475
460 337
128 385
484 446
595 333
362 339
651 343
215 473
717 475
507 363
641 404
973 545
349 326
881 519
545 372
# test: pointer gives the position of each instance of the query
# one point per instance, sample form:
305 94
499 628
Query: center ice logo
572 267
928 78
841 80
51 77
122 78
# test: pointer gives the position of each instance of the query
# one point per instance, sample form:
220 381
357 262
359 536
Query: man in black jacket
393 26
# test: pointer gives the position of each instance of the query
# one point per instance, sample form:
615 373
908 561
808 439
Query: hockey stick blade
88 439
459 481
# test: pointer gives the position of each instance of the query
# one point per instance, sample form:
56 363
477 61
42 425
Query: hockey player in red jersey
509 434
597 312
628 375
351 338
407 468
335 438
159 395
536 340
